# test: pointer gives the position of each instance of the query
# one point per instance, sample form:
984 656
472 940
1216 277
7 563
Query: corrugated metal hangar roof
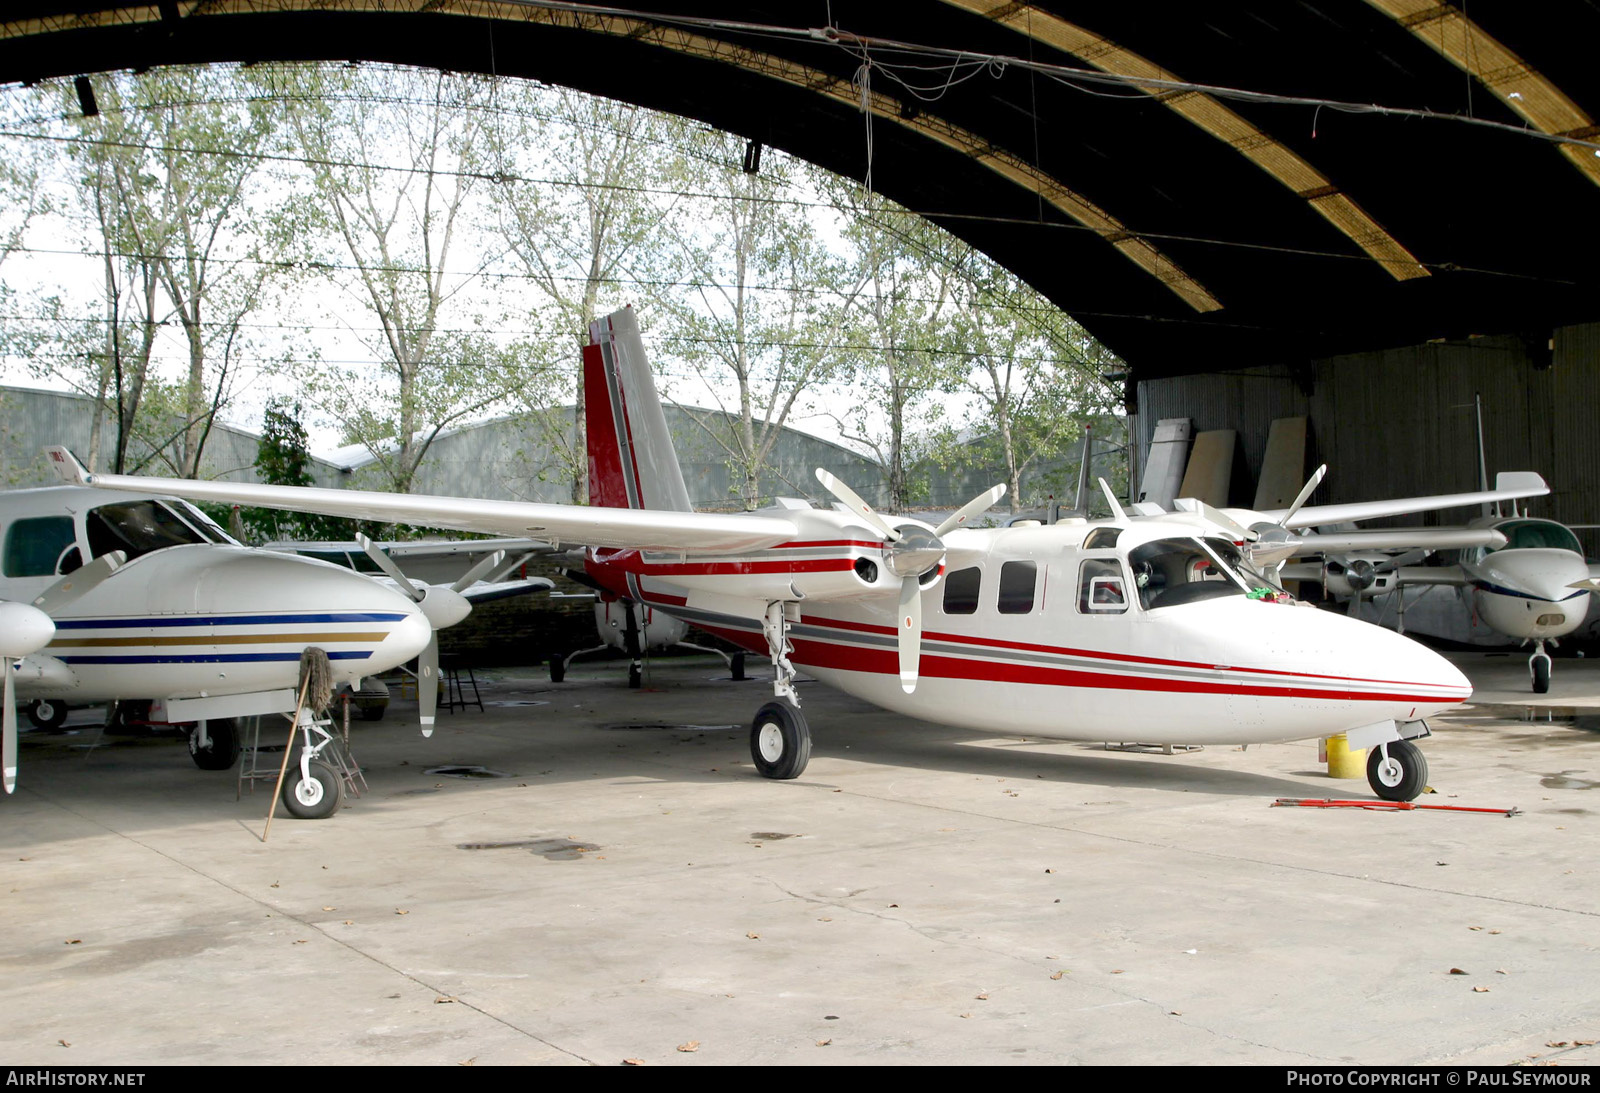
1203 185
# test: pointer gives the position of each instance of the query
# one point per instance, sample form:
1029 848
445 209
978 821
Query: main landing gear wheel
1399 776
1539 665
221 749
312 798
780 741
46 714
558 668
736 666
635 675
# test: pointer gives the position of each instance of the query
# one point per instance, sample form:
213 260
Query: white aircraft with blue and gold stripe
206 629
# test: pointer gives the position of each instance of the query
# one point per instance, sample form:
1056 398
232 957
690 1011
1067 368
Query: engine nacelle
1361 575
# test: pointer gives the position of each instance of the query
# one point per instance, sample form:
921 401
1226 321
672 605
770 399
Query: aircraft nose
407 639
1410 672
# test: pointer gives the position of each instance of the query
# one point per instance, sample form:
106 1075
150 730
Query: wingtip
67 467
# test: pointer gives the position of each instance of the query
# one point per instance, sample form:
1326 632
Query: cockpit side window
1101 538
1169 572
1101 589
137 527
1534 534
35 546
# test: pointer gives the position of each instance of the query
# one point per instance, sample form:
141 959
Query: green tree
580 215
393 159
761 303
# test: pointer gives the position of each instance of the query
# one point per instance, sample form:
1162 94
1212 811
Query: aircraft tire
1541 674
223 751
736 667
635 675
313 798
47 714
558 668
1403 776
780 741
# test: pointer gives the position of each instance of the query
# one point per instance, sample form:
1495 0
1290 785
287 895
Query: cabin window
1101 589
1101 538
34 546
1017 581
961 591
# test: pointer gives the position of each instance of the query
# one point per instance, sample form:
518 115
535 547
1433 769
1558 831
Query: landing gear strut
1539 668
780 739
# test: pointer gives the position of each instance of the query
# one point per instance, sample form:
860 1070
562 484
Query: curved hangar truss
1204 185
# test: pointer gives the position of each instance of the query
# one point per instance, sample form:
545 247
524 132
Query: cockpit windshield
1169 572
1533 534
138 527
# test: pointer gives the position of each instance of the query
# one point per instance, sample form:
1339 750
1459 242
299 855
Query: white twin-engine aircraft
1150 628
106 596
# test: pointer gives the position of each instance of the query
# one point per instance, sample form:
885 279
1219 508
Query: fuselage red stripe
1059 650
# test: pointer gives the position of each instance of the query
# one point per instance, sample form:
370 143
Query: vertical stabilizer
632 463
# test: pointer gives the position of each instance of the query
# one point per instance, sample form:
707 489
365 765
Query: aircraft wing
577 525
1401 539
1509 486
1408 575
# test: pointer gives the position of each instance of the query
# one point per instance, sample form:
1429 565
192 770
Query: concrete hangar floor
630 890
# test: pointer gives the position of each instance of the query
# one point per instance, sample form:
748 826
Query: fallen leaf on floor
445 999
633 1062
1457 971
753 936
1059 974
824 1043
692 1045
1480 990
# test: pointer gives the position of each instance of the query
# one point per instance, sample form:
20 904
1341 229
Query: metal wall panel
1401 422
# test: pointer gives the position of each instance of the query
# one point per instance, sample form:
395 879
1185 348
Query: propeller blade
971 509
471 576
386 563
1111 499
8 753
428 684
855 504
910 633
1235 530
79 581
1305 495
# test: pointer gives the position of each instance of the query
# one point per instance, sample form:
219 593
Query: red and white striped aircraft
1149 628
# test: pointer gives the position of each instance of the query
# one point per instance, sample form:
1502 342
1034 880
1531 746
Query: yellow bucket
1343 762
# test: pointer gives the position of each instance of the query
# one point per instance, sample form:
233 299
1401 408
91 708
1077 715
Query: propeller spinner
443 607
